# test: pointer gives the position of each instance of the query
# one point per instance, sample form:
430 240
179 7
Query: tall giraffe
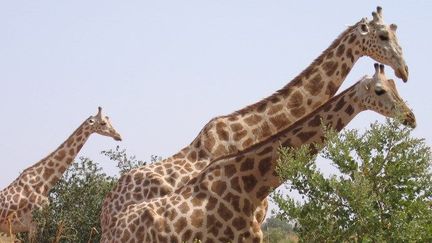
232 133
30 190
218 204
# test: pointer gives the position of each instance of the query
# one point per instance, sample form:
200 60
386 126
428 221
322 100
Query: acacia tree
381 193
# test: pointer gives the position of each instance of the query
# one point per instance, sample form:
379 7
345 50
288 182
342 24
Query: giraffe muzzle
402 73
410 120
117 138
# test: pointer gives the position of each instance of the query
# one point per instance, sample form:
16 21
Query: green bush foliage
76 200
381 192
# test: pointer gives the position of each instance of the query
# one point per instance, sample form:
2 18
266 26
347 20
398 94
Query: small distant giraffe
218 205
30 190
232 133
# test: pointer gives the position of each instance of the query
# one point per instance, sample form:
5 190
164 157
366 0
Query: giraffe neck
252 171
310 89
43 175
317 83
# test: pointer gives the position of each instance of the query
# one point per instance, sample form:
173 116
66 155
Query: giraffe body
235 132
218 204
30 190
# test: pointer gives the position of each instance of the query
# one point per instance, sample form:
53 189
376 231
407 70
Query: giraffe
234 132
30 190
218 204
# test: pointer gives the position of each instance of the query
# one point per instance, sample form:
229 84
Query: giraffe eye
384 37
379 92
103 123
364 28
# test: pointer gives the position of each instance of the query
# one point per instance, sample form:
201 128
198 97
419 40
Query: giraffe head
101 124
380 94
379 41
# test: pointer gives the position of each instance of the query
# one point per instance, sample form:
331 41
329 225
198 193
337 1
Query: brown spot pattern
235 184
331 89
235 127
180 224
209 142
264 151
295 100
274 109
315 85
211 204
224 212
279 121
222 133
298 112
349 110
339 105
339 125
261 107
248 164
305 136
239 223
247 143
60 155
230 170
265 165
219 187
340 50
352 38
345 70
316 121
197 218
253 119
263 192
350 55
249 182
239 135
330 67
47 173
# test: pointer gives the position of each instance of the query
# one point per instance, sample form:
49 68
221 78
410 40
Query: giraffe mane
297 79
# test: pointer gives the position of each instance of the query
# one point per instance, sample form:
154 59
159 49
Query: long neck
310 89
252 172
43 175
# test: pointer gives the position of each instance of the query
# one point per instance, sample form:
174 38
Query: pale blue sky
162 69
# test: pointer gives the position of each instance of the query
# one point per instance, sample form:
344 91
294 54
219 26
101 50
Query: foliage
125 162
277 222
76 201
382 192
278 230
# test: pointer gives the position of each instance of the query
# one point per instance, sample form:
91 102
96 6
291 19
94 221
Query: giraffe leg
9 222
261 211
9 236
59 232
